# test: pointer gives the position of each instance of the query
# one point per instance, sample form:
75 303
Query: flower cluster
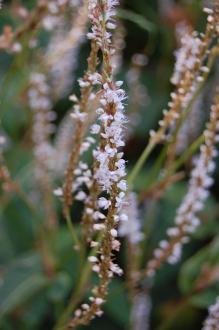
212 321
130 225
108 184
62 53
43 127
118 45
6 183
186 55
138 96
190 72
201 180
141 311
191 128
54 10
101 16
189 44
80 115
62 144
46 14
111 125
40 104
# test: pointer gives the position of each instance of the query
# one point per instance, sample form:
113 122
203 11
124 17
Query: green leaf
181 317
209 221
192 269
166 211
17 215
21 282
60 287
139 20
7 251
206 298
117 306
35 312
67 258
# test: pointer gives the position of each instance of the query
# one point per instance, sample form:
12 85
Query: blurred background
149 32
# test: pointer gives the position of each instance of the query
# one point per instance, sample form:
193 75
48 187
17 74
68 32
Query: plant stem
186 155
72 230
75 299
77 295
179 162
140 163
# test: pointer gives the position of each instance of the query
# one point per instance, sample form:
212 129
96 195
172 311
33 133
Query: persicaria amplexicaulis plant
113 217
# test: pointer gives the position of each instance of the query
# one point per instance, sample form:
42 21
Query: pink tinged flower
73 98
83 83
58 192
89 211
78 313
83 166
98 226
113 232
95 78
78 115
104 203
98 216
81 196
92 259
130 225
94 244
96 268
85 306
77 171
122 185
173 231
211 322
123 217
116 269
116 245
99 301
110 151
164 244
99 313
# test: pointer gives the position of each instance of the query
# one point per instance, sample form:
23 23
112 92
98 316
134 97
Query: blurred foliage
30 298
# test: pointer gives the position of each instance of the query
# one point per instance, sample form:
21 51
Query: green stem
180 161
186 155
154 172
72 230
140 163
75 299
81 288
